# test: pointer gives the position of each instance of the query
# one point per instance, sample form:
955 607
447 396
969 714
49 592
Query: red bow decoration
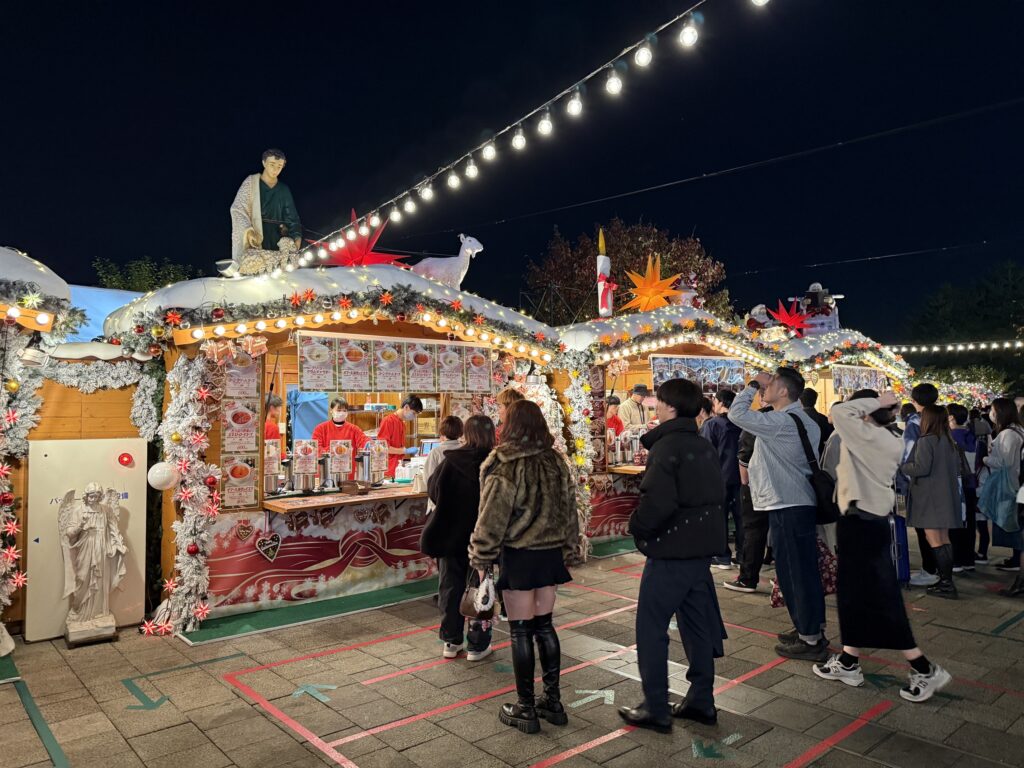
606 290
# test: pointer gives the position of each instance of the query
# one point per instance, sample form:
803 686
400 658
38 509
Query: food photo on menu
317 362
354 364
240 420
389 373
239 480
242 378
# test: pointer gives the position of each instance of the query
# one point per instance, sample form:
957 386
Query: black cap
641 389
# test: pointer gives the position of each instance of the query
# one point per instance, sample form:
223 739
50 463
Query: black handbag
821 481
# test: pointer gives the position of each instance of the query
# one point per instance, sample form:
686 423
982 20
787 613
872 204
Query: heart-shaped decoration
268 546
243 530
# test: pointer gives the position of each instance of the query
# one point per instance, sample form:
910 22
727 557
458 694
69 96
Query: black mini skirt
525 569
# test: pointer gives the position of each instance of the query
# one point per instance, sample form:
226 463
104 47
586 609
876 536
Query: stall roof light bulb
335 316
471 170
545 126
261 325
688 35
281 323
643 55
363 229
353 314
453 180
409 205
42 318
13 312
614 83
489 151
350 234
198 333
547 357
519 139
300 320
374 219
508 345
441 322
395 215
220 330
485 336
427 192
318 318
575 104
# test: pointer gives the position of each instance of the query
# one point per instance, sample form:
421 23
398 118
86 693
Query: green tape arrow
714 750
881 681
608 696
313 690
144 701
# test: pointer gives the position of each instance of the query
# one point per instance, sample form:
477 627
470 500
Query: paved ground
386 699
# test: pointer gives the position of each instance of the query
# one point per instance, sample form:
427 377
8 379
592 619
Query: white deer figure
452 269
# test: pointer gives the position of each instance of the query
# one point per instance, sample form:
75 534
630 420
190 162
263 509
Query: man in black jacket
679 525
808 399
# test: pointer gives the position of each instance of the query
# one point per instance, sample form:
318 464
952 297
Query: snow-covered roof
821 344
219 291
581 336
18 266
94 350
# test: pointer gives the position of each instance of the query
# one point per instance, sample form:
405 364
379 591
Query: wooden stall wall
67 414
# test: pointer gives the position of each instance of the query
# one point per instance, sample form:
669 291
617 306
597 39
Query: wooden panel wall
67 414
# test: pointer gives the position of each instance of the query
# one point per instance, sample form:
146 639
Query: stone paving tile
137 722
860 742
168 741
21 745
204 755
794 715
911 720
108 748
988 742
908 752
449 750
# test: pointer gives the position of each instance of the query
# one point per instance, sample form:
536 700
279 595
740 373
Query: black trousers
962 539
683 588
755 538
734 509
452 575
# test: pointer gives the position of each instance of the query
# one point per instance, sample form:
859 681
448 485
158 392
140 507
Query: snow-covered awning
18 267
606 330
843 346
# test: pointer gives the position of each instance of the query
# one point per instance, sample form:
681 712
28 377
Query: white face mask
409 415
339 416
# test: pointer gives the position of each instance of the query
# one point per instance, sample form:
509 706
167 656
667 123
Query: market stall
251 523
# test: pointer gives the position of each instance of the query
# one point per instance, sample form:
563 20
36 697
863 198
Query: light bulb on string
395 215
350 234
643 56
519 139
575 104
374 219
409 205
614 83
363 229
471 170
453 180
688 34
489 151
427 192
544 125
760 3
333 245
322 253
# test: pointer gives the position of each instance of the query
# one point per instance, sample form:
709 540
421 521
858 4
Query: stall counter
626 469
290 505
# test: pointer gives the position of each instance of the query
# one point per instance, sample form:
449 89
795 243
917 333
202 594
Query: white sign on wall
54 468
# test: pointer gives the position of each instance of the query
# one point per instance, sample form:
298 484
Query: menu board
378 455
354 365
341 457
240 425
451 364
713 374
317 363
388 365
478 369
242 379
422 362
304 456
239 480
271 457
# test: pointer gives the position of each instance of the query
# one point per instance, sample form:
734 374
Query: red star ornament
11 528
170 585
309 295
18 580
562 347
457 305
172 318
345 302
203 393
420 308
202 611
479 319
791 318
386 298
149 628
360 251
10 554
165 628
539 336
296 299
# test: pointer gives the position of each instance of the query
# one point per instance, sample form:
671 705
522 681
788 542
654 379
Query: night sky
128 128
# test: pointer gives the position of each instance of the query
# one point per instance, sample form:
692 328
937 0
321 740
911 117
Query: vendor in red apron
392 431
338 427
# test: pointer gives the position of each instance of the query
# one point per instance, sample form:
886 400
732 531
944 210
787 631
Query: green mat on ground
613 547
261 621
8 672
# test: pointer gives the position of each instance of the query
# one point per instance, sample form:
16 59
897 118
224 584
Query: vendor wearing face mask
337 427
392 430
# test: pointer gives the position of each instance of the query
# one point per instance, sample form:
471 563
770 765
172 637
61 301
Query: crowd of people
826 500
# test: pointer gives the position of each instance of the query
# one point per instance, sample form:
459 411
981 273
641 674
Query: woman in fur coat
528 525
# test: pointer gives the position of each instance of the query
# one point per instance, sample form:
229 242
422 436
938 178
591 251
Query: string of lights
465 166
965 346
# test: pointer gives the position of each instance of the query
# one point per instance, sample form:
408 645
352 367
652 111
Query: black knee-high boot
522 714
944 564
549 705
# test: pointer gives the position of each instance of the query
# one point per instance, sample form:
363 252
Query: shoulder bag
821 481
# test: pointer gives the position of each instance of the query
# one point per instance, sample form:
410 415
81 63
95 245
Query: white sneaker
924 579
479 655
834 670
923 687
451 650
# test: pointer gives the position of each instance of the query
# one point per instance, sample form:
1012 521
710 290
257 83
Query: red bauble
139 329
6 499
211 481
155 350
115 341
400 317
10 320
586 411
192 549
217 313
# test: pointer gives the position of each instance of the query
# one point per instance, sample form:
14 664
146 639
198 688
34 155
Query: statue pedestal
93 631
